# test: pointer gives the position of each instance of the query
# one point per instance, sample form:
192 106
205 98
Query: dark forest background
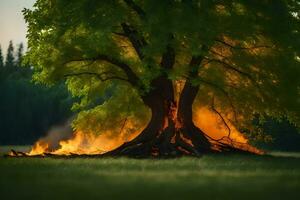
28 110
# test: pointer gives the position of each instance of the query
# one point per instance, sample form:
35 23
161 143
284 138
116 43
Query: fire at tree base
80 144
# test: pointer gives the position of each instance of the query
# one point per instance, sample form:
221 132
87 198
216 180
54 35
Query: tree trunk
185 110
185 117
171 131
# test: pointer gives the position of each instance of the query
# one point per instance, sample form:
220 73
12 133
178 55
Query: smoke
56 134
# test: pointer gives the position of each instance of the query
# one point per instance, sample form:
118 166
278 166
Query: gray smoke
57 134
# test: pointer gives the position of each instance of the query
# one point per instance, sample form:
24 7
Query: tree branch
241 47
218 54
168 58
225 93
221 117
194 66
120 34
99 76
136 8
245 74
232 68
132 77
137 41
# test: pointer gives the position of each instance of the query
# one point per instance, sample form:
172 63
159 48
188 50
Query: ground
209 177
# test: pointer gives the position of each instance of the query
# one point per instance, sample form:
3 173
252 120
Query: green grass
209 177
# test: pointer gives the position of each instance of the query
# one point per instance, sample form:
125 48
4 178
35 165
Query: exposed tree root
181 148
180 144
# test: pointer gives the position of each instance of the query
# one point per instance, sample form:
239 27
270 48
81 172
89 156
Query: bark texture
171 131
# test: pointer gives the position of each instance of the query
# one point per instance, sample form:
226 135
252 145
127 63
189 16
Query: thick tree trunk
185 110
185 117
157 100
171 131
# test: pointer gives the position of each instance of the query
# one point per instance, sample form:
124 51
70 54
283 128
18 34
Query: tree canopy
249 67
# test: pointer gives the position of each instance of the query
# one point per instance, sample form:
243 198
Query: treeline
27 110
285 136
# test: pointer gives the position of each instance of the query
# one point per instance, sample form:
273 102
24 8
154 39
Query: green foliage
251 60
284 136
124 104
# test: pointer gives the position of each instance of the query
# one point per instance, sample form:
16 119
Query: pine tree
1 59
10 59
1 65
20 54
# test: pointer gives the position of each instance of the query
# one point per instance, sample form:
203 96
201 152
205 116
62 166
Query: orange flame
39 148
212 125
86 143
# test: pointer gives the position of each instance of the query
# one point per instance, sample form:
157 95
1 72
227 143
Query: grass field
210 177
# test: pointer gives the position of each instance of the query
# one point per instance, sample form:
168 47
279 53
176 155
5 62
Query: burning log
17 153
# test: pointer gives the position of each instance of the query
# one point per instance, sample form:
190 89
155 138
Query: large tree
239 58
